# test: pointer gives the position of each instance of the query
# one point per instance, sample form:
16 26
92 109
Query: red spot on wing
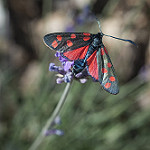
69 43
78 53
109 65
92 65
112 78
86 34
104 70
73 36
86 38
59 37
54 44
107 85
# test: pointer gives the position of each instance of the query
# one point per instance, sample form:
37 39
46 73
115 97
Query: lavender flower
83 80
65 71
57 120
53 131
58 69
68 65
144 73
83 16
80 18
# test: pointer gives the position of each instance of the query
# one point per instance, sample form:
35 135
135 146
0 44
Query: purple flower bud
78 75
61 70
59 132
59 80
68 77
52 67
68 65
58 69
82 74
62 59
57 120
57 54
144 73
83 80
53 132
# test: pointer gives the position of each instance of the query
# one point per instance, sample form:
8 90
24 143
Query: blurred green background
92 119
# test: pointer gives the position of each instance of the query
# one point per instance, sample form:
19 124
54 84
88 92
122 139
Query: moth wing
71 45
106 72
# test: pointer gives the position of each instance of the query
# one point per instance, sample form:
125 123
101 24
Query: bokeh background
92 119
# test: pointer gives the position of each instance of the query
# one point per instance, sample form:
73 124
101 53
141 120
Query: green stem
49 122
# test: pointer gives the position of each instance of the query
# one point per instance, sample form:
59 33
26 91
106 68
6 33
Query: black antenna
99 24
126 40
97 21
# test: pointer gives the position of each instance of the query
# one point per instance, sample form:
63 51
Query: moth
87 51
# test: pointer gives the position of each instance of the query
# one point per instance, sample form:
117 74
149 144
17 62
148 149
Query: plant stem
49 122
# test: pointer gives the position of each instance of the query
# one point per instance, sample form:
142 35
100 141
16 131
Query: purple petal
68 65
58 69
59 80
57 120
68 77
54 132
57 54
78 75
62 59
61 70
52 67
82 74
59 132
83 80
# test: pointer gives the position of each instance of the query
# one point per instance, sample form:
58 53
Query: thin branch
49 122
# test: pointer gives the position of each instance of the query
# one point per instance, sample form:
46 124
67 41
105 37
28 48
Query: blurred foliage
91 118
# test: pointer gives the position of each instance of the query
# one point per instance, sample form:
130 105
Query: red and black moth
87 51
